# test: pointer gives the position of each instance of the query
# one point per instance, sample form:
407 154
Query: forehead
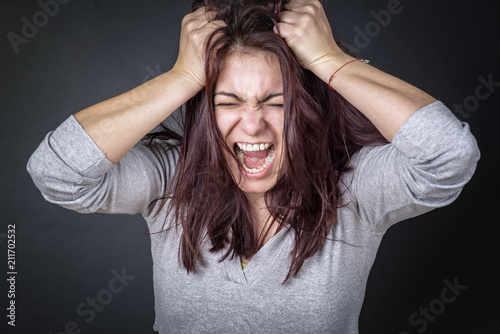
250 75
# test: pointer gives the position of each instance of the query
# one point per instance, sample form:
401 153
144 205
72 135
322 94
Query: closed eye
227 104
276 105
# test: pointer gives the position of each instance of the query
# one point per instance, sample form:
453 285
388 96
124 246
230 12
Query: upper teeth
253 147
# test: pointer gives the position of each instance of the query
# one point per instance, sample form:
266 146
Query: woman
295 160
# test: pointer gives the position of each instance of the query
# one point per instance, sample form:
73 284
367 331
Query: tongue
257 154
255 159
254 163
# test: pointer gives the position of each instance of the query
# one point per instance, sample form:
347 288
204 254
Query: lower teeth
269 157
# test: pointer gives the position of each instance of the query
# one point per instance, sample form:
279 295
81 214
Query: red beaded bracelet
366 61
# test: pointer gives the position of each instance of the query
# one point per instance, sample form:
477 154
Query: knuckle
197 36
190 25
307 20
299 32
186 19
194 35
310 8
313 8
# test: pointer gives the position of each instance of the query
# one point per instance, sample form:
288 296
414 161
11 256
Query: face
248 104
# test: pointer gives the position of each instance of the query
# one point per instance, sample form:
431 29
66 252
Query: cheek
226 121
276 121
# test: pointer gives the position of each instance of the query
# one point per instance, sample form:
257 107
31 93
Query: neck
262 216
258 207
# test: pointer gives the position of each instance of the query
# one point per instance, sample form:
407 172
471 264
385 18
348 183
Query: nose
252 121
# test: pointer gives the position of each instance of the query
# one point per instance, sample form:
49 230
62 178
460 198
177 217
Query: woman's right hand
196 28
117 124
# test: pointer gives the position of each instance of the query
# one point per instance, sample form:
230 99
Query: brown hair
321 132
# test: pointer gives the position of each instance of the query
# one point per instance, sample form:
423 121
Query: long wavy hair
321 132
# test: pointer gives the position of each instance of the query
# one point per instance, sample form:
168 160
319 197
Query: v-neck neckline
262 262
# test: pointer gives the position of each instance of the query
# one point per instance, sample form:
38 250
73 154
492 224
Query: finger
301 21
218 23
211 26
204 13
200 11
294 5
210 15
198 20
283 29
289 17
305 7
209 29
201 14
197 14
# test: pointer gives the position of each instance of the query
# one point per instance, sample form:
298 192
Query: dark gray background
90 51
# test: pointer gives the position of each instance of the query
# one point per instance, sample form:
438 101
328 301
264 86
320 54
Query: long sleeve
71 171
431 158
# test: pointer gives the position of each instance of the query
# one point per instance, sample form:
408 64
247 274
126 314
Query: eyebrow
234 96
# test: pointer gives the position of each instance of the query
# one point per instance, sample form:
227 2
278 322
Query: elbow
455 157
438 181
38 168
464 157
64 187
51 183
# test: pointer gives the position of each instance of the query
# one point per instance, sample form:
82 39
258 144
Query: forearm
117 124
387 101
384 99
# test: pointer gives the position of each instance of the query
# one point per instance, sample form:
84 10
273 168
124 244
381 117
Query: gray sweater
431 158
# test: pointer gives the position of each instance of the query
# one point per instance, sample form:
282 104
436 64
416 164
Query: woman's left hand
306 29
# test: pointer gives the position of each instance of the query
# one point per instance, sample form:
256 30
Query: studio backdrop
64 272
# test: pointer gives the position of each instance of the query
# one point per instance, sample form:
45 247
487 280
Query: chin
256 188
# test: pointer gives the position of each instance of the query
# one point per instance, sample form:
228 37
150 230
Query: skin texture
244 118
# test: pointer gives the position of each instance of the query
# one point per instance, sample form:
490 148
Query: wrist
167 91
186 79
330 64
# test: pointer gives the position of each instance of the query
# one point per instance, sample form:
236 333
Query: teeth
241 157
254 147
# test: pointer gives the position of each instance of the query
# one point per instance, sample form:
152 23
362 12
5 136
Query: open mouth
254 158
